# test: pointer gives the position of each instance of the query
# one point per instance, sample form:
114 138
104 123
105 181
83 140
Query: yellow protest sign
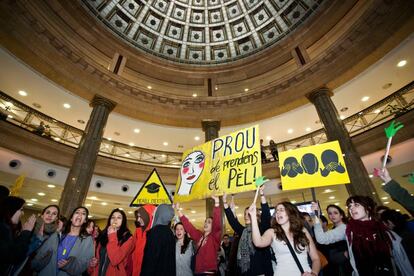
152 191
314 166
228 164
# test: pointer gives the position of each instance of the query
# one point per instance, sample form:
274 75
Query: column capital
319 92
209 123
99 100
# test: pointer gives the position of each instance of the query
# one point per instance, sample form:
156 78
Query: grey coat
45 261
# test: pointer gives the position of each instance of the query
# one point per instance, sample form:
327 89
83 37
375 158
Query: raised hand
252 210
216 200
30 223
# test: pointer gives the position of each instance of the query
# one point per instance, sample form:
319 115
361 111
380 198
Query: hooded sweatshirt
159 253
140 238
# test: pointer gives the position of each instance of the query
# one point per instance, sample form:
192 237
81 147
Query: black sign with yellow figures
314 166
152 192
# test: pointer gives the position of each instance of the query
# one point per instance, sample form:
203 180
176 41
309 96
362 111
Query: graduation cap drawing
153 188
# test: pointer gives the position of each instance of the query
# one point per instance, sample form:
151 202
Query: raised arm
231 218
195 234
265 216
216 227
258 240
328 237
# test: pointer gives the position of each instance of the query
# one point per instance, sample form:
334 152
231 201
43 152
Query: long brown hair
296 226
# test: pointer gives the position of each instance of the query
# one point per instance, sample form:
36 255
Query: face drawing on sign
330 161
291 167
310 163
191 169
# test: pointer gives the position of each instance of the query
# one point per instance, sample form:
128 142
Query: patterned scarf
245 249
369 239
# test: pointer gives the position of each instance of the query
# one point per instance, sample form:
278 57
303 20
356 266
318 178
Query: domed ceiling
203 32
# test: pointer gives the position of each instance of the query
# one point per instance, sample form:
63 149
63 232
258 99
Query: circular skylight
202 31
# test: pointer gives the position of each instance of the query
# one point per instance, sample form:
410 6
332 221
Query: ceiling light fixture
10 116
88 205
371 176
365 98
293 201
22 93
109 139
165 143
377 111
386 202
402 63
290 131
56 139
51 186
41 194
66 105
54 200
149 87
268 137
137 130
131 144
29 204
308 129
194 95
246 89
104 203
193 211
337 203
342 117
384 198
331 197
34 199
93 198
197 138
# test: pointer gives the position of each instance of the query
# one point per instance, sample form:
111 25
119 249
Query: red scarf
369 238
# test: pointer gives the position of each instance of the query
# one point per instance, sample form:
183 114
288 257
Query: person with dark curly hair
288 228
113 247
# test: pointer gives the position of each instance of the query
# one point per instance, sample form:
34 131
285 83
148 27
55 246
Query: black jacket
260 262
12 250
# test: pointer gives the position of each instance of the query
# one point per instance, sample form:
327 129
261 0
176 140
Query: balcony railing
17 113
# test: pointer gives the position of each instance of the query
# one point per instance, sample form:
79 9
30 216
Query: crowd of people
367 240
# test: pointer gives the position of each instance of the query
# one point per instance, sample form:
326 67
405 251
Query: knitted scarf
369 239
245 249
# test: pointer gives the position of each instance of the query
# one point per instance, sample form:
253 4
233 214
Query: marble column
335 129
211 130
77 183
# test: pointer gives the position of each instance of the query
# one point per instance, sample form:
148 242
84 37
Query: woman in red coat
207 241
114 246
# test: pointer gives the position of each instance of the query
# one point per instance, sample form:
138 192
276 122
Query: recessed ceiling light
337 203
342 117
371 176
127 155
386 202
197 138
107 146
331 197
398 210
290 130
376 111
216 88
120 208
365 98
109 139
88 205
246 89
193 211
22 93
56 139
29 204
239 215
130 212
308 129
93 198
165 143
41 194
194 95
402 63
384 197
382 184
104 203
34 199
236 207
10 116
293 201
54 200
90 216
163 155
193 220
268 137
131 144
149 87
51 186
66 105
328 191
137 130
